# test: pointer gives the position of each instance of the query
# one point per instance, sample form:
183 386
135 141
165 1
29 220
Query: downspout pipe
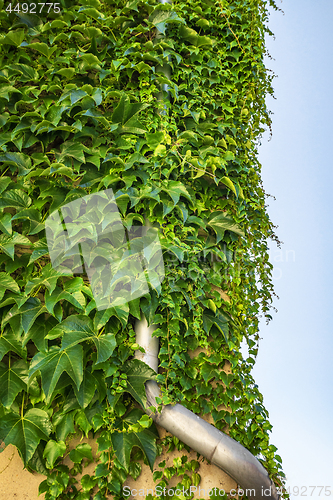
202 437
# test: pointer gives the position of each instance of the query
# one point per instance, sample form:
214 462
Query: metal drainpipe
199 435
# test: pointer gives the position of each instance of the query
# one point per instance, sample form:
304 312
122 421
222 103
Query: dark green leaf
10 342
137 374
13 380
175 189
42 48
87 389
48 278
220 321
82 451
22 161
28 312
8 242
71 150
79 328
7 283
26 431
53 363
6 223
15 198
123 442
124 114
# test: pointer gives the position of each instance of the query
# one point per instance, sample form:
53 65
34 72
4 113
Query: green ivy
81 110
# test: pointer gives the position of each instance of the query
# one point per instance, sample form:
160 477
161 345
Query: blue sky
294 368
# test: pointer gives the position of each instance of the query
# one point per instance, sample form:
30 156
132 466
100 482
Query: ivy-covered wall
80 112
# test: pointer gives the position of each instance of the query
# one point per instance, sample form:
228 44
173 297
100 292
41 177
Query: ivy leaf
38 331
170 247
123 442
124 114
83 450
137 374
52 451
6 90
21 160
8 242
159 19
40 248
72 150
192 37
175 189
87 389
208 372
74 94
13 380
37 462
154 139
121 312
228 182
134 308
6 223
33 216
53 363
48 278
4 181
75 298
89 61
42 48
220 223
14 37
25 431
27 73
64 424
28 313
79 328
10 342
15 198
220 321
74 285
66 72
7 283
125 110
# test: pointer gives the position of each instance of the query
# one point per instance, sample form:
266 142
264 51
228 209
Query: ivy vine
79 113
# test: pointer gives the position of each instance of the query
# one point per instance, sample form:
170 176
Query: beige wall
16 483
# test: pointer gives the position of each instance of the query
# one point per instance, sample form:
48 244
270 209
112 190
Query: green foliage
78 114
124 441
25 430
